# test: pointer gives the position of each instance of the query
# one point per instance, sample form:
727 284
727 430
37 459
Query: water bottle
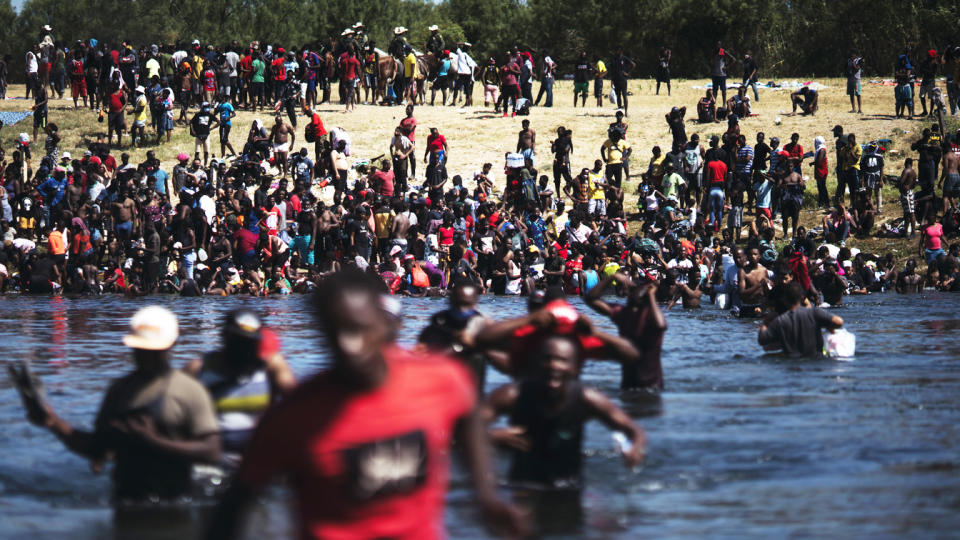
620 442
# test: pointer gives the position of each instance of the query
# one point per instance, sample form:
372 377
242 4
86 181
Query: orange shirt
56 243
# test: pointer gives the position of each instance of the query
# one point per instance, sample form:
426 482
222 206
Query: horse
427 65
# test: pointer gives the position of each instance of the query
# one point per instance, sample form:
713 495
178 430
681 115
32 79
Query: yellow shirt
142 105
410 67
153 68
852 160
596 189
615 151
601 69
197 67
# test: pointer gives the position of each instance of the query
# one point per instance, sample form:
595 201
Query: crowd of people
355 234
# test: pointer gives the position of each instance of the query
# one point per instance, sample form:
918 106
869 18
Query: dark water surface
740 444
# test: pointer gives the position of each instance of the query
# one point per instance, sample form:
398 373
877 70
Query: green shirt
258 68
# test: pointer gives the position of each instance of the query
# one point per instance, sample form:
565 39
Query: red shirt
246 65
318 130
246 240
279 72
436 142
117 101
384 182
209 81
409 127
717 170
795 151
329 439
350 67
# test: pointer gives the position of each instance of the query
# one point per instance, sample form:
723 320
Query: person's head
656 151
350 311
409 110
242 334
464 296
525 124
837 130
851 139
153 331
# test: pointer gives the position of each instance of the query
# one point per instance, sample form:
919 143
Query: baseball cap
243 323
182 157
153 328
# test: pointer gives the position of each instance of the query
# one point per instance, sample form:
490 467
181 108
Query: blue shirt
53 190
225 109
763 193
745 165
160 181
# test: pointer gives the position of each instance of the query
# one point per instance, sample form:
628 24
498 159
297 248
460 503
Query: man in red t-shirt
115 122
367 442
716 174
351 69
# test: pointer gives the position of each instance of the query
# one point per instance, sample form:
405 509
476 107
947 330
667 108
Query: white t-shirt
338 134
209 208
32 65
232 60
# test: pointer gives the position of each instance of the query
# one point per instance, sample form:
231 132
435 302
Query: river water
741 444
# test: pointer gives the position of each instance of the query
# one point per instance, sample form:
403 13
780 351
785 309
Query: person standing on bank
663 68
620 69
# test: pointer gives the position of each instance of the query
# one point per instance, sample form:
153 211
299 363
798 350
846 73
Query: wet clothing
797 332
180 408
371 464
554 458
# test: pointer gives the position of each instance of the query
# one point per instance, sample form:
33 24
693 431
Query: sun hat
153 328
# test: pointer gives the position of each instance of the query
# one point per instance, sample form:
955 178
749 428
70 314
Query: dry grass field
477 135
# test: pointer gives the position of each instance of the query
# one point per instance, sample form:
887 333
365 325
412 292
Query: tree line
789 38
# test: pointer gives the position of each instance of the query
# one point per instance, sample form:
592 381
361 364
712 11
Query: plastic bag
840 344
612 96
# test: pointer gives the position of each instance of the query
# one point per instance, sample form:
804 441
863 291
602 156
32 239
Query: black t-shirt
618 69
798 331
582 72
761 153
715 154
201 124
749 65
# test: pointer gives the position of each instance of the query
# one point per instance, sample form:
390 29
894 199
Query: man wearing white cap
155 422
434 42
139 116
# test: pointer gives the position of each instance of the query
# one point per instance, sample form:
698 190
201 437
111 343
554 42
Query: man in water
452 330
155 422
639 320
368 439
547 413
752 282
796 331
243 377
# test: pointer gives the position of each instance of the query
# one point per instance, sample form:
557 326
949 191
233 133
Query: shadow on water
740 443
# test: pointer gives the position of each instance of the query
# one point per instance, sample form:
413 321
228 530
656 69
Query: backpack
523 107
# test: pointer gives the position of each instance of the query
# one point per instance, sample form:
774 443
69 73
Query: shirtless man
792 188
124 211
752 283
305 241
526 141
283 137
689 296
401 224
909 281
950 179
327 224
906 183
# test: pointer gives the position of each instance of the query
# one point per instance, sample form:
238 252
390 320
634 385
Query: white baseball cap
153 328
433 27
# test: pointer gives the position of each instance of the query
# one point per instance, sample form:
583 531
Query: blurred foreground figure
366 442
155 422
